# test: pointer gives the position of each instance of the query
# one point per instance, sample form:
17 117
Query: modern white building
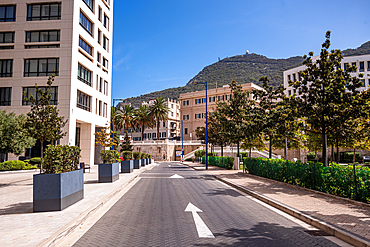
362 63
71 38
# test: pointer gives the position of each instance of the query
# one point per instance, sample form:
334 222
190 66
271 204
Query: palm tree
159 111
143 118
124 118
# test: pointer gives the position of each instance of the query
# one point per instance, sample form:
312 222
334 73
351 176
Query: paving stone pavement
19 226
340 213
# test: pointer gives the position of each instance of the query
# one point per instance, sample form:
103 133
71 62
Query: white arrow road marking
202 229
176 176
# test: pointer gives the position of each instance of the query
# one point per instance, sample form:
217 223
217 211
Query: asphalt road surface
153 213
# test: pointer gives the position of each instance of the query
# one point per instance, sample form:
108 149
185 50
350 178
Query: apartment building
193 106
168 129
73 40
361 62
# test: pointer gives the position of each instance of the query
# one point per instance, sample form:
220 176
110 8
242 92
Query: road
156 212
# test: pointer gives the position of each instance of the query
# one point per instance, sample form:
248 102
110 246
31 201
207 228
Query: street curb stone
322 225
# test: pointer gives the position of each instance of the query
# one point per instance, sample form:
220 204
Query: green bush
36 161
61 158
149 156
126 155
144 156
224 162
137 155
244 154
109 156
336 179
189 159
200 153
15 165
310 156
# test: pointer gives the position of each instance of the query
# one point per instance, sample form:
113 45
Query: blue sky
159 44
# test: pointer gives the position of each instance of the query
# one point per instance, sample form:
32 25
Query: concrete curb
322 225
66 230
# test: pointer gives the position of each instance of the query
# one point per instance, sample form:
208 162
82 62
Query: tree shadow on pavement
17 208
224 192
265 234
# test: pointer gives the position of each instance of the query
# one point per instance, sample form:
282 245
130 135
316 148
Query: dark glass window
186 131
99 13
99 36
43 36
105 62
6 37
86 47
6 68
28 91
41 67
7 47
86 23
84 74
45 11
105 43
83 101
7 13
5 96
41 46
368 65
89 3
106 22
362 66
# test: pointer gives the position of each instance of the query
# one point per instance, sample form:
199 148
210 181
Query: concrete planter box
55 192
127 166
143 162
150 161
137 164
108 173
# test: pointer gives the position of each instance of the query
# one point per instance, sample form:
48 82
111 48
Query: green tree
323 89
257 142
159 111
126 144
124 118
143 118
13 136
43 122
217 129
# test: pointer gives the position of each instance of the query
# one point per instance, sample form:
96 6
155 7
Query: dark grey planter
127 166
143 162
137 164
55 192
108 173
150 161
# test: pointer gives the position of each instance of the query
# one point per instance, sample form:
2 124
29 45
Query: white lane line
176 176
202 229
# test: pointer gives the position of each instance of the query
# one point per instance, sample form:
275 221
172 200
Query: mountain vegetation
247 68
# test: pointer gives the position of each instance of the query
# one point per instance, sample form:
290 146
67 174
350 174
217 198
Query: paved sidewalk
344 217
19 226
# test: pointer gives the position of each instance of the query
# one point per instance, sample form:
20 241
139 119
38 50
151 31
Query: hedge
15 165
61 158
224 162
344 181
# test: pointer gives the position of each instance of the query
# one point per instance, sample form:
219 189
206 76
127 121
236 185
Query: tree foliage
159 111
13 135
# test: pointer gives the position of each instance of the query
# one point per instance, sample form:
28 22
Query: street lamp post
114 100
182 139
195 82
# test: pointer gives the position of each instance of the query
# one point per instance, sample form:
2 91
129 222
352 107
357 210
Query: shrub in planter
137 155
109 156
62 185
189 159
127 164
127 155
109 171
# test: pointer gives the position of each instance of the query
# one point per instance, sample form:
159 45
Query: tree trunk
222 151
332 153
142 132
338 154
323 139
250 152
270 147
42 155
354 156
157 130
237 145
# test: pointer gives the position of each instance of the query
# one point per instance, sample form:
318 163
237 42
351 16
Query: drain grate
317 233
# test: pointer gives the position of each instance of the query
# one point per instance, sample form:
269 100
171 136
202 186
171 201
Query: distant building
362 63
193 106
72 39
168 129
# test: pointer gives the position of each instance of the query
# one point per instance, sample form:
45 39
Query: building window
105 43
106 88
220 97
105 110
185 117
197 101
354 64
100 107
362 66
84 74
98 57
85 46
99 13
100 84
163 134
164 124
78 136
106 21
89 3
99 36
83 101
186 131
345 66
185 102
41 67
294 78
105 63
368 65
5 96
45 11
197 116
41 46
86 23
363 82
6 68
6 37
289 92
7 13
289 78
28 91
43 36
212 99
